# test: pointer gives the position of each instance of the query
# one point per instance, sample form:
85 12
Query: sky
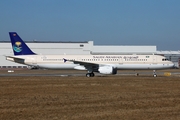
106 22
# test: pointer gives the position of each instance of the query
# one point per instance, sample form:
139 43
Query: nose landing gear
154 73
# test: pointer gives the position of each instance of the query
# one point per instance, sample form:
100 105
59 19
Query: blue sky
106 22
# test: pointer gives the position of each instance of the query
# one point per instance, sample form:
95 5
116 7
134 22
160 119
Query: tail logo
17 47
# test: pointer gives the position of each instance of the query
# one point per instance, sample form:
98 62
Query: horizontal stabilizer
14 59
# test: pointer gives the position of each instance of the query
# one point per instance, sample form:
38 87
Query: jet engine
107 70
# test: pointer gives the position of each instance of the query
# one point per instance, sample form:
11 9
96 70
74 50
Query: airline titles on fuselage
112 57
97 58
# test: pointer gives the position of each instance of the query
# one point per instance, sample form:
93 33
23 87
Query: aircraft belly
144 66
57 66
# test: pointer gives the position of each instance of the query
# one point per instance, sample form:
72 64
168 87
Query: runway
67 73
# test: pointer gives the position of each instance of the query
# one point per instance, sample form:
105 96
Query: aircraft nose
176 65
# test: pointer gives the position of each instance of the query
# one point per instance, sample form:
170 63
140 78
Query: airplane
104 64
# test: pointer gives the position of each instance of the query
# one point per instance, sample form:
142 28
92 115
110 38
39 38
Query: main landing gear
90 74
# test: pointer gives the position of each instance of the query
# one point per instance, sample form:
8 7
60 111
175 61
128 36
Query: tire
88 75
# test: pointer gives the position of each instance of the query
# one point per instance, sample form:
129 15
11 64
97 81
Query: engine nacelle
107 70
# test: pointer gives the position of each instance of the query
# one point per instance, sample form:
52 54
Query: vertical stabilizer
18 45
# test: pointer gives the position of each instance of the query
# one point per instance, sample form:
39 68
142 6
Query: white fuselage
117 61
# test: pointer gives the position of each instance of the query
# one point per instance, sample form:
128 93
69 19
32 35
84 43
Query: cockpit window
164 59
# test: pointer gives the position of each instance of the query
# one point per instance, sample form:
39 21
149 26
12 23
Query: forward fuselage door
154 59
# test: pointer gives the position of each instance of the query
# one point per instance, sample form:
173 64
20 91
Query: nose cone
170 65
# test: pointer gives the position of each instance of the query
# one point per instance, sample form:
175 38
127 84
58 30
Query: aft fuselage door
34 60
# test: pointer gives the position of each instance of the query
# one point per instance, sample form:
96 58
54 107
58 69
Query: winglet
18 45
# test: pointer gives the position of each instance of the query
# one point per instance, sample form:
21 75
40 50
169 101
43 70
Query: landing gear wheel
154 73
90 75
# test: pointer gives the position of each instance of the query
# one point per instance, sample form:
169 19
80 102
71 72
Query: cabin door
34 60
154 59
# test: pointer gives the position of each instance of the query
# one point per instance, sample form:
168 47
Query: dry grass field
97 98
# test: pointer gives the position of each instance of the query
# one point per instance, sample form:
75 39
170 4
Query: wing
89 66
